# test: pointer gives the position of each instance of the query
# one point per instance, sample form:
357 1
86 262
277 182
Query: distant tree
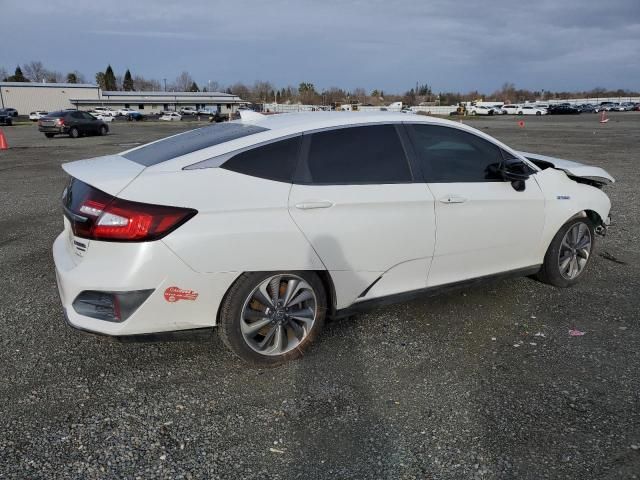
239 89
359 94
204 89
72 78
127 82
183 82
261 92
35 71
228 90
110 82
194 87
79 77
334 95
3 74
54 76
142 84
409 98
307 92
100 80
17 76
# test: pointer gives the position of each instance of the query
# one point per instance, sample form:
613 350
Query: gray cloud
388 44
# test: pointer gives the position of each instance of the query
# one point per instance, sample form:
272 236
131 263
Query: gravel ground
484 383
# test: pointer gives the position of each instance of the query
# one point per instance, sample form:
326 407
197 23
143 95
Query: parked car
480 110
207 111
605 106
135 116
586 108
530 110
73 123
104 111
563 109
6 118
37 115
498 110
171 117
237 225
102 116
125 111
11 111
510 109
188 111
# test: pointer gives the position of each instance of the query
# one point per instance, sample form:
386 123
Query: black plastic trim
430 291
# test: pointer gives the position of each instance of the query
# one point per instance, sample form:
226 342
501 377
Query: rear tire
278 334
568 254
74 132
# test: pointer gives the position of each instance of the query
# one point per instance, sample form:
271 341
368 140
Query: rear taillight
60 122
97 215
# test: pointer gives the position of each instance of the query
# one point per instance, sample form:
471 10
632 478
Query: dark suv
73 123
6 118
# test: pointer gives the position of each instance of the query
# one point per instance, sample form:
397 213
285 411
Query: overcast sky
385 44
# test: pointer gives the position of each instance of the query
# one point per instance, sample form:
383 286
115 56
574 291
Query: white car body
171 117
530 110
510 109
125 111
370 240
481 110
37 115
104 111
102 116
188 111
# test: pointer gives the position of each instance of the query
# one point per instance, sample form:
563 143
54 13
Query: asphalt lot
452 387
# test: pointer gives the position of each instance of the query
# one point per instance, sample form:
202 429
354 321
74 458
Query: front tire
269 318
103 130
568 254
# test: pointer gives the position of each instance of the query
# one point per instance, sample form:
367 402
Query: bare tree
35 71
183 82
261 92
241 90
3 74
359 94
54 76
142 84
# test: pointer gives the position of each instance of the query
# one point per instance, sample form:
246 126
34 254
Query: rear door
484 225
355 199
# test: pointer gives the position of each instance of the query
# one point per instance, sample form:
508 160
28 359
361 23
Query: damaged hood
571 168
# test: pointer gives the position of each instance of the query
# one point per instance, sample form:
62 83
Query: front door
484 226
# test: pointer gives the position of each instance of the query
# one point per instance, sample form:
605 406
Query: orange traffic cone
3 141
603 118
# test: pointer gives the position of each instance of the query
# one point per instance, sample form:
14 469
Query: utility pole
165 84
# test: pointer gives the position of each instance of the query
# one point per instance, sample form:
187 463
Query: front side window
451 155
274 161
356 155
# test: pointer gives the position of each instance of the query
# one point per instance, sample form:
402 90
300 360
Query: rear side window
274 161
356 155
190 141
449 155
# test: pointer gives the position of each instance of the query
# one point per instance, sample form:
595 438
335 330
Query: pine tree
194 87
110 79
72 78
17 76
127 82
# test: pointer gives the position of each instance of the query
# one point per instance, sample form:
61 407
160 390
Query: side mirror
510 171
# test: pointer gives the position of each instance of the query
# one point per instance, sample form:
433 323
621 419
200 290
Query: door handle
312 205
453 199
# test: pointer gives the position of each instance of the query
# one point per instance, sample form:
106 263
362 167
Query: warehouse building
27 97
156 102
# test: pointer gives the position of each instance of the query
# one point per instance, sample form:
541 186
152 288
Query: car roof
273 127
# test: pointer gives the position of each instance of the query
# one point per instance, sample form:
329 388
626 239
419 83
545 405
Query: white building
30 96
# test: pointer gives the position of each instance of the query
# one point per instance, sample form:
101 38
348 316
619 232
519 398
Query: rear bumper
111 266
53 129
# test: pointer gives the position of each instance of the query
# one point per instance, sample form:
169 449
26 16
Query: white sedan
171 117
481 110
125 111
267 225
37 115
531 110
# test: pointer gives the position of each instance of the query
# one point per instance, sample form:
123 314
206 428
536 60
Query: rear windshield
57 114
190 141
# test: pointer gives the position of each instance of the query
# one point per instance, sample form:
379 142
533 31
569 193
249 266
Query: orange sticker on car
173 294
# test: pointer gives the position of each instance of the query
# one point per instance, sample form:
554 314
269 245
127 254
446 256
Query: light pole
165 84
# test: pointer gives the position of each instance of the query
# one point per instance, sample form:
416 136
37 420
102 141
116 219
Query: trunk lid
110 173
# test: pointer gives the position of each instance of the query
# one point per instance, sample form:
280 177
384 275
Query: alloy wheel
278 314
575 251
